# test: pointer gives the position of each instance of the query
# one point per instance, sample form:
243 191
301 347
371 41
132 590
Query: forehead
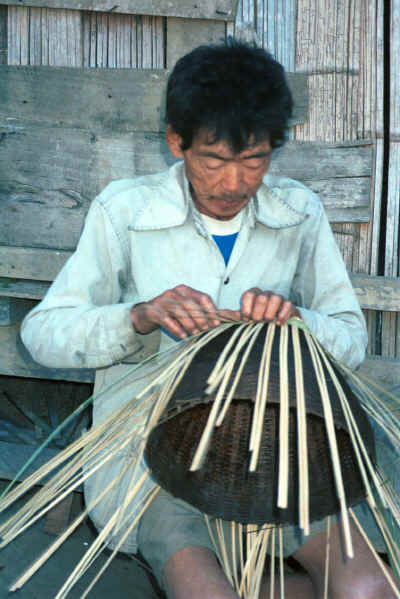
204 142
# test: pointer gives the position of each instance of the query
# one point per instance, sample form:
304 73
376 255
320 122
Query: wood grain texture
100 99
15 360
3 34
44 196
223 10
183 35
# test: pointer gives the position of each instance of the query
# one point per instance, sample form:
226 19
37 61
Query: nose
232 178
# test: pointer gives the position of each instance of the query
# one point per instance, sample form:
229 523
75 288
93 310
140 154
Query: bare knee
194 573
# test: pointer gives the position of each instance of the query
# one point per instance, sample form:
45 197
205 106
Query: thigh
167 526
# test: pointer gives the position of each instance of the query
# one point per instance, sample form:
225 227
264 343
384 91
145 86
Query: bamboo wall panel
206 9
56 37
337 45
3 34
391 323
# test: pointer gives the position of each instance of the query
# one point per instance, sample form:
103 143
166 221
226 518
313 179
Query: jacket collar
166 202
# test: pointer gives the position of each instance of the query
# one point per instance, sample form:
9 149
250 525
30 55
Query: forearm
81 336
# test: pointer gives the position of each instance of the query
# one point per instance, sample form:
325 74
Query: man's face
222 183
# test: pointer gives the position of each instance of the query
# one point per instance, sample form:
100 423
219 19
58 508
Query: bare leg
194 573
358 578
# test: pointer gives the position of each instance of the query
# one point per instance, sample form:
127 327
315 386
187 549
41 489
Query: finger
247 303
273 308
229 314
206 306
260 306
187 315
287 311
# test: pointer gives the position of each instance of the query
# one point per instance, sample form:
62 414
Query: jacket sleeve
81 323
331 309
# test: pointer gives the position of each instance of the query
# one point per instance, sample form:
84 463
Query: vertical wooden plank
18 34
44 36
183 35
3 34
123 41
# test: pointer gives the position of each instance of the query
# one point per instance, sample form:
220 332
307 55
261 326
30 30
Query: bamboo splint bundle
237 424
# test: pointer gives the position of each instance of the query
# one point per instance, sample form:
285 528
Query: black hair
235 91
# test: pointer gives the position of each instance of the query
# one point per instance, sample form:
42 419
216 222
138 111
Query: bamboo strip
281 566
151 496
283 481
272 574
375 554
304 493
261 397
59 541
330 429
327 556
252 338
353 430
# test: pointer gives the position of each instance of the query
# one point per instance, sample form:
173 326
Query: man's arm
326 299
80 322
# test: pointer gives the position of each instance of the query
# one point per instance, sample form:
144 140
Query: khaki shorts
170 524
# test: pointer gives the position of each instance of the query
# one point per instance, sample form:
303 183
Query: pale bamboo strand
252 338
96 547
261 398
205 438
16 524
24 521
392 547
223 376
330 429
252 541
304 493
102 535
225 559
257 576
327 557
283 482
272 581
217 372
351 424
55 462
194 345
151 496
375 554
241 549
380 413
281 566
60 540
234 556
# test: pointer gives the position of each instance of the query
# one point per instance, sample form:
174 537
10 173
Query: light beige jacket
143 236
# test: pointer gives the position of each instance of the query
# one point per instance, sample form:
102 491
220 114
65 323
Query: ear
174 142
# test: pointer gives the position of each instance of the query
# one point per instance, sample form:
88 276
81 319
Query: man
165 256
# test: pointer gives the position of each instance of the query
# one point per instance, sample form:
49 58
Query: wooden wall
350 51
353 98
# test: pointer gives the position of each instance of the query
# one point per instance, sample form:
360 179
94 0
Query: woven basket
224 487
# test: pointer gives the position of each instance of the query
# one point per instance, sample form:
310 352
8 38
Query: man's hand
266 305
182 311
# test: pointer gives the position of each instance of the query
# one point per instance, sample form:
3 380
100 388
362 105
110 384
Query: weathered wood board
44 196
116 100
223 10
15 360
